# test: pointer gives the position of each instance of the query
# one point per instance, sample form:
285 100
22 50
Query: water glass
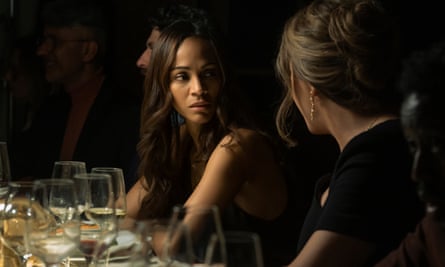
243 249
67 169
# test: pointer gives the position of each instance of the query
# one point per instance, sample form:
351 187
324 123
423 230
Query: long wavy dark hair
164 148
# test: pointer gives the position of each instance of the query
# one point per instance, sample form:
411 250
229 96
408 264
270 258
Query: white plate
125 239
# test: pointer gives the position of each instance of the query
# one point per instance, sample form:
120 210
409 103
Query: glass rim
108 170
67 162
55 181
20 183
92 175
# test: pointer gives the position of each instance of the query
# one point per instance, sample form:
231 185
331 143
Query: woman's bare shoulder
248 140
245 135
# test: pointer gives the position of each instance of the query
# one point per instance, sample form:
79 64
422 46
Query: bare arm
243 173
134 198
329 249
222 178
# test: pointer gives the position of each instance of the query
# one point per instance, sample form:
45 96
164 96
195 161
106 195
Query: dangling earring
311 98
176 119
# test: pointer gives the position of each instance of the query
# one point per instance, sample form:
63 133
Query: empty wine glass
117 177
202 221
131 244
96 202
171 243
67 169
243 249
134 240
7 256
9 260
55 235
15 214
5 172
5 178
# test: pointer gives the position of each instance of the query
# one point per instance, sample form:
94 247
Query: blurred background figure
89 118
423 83
164 16
25 79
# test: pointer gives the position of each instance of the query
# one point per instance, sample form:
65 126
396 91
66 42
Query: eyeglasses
52 42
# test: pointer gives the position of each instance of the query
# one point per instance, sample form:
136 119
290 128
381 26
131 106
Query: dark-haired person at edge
90 118
218 157
25 79
338 62
422 82
164 16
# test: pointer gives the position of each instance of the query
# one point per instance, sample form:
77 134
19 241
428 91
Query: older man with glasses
89 119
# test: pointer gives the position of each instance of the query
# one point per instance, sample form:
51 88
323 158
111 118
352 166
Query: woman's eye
181 76
209 73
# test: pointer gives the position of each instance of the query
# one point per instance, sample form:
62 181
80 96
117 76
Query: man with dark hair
164 17
89 119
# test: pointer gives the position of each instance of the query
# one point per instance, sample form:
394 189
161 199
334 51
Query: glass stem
24 259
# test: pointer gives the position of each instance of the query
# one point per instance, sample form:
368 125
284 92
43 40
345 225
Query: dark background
253 28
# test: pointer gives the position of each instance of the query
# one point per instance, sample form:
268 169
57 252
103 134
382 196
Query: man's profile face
144 58
62 50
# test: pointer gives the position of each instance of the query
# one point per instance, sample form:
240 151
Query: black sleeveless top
371 195
278 237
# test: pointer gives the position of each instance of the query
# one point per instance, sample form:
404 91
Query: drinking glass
117 177
55 235
132 244
5 172
243 249
96 203
67 169
171 243
4 188
15 215
5 178
202 221
9 261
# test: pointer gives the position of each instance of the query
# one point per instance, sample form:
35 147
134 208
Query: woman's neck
346 126
194 130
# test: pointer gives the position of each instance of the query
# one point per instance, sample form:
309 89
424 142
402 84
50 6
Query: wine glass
67 169
55 235
5 172
243 249
202 221
117 177
7 256
15 214
170 243
8 260
132 244
96 202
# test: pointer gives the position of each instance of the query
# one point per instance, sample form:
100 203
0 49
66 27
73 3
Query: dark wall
254 30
